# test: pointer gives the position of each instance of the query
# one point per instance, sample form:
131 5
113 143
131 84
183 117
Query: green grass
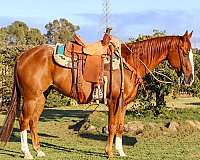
60 142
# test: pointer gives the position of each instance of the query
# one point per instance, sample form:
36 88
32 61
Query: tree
3 35
195 88
60 31
17 32
34 37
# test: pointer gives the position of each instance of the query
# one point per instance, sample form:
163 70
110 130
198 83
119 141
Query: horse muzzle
188 80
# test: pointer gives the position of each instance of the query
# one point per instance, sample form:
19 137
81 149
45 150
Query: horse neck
151 52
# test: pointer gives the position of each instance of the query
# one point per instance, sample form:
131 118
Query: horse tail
7 128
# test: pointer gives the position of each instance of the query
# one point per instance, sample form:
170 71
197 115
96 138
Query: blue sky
128 17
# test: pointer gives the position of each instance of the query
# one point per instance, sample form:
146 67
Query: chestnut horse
35 72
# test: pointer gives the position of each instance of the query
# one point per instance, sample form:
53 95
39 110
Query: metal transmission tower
106 14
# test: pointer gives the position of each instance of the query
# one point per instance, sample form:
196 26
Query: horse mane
150 49
155 45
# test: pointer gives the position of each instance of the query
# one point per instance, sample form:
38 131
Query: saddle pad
60 57
93 68
60 49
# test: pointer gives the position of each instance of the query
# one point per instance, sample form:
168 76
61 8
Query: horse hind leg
33 123
32 109
27 111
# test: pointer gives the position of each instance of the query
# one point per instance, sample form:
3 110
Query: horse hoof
122 155
40 154
110 155
28 156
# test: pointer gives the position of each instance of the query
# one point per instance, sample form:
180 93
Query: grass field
60 142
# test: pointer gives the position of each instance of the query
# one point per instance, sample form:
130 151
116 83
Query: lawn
61 140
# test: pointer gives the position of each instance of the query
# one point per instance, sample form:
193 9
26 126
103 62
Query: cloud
126 25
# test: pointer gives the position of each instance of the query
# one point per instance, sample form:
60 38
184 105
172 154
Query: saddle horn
107 37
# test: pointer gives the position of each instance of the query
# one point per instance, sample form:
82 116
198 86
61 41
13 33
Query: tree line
18 33
17 37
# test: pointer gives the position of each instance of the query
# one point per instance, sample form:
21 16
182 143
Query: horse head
181 58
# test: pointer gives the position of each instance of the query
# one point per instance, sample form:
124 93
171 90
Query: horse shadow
56 114
71 149
129 141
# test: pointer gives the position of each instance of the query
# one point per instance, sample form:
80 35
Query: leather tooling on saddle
65 60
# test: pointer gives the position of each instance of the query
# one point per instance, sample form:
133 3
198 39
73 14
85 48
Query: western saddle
89 64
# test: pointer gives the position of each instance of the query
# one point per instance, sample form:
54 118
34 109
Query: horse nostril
189 80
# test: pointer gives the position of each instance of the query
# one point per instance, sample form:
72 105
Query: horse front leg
119 132
112 124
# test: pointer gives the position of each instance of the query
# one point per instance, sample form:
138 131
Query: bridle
181 56
180 53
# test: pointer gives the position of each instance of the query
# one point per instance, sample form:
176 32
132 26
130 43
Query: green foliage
150 97
34 37
8 56
141 37
3 36
56 99
18 33
60 31
195 88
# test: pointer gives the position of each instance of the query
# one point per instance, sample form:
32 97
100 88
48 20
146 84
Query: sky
128 18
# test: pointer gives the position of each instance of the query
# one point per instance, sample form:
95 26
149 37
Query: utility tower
106 14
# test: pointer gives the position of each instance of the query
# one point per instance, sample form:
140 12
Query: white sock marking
24 141
118 146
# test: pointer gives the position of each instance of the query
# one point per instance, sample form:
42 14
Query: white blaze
192 63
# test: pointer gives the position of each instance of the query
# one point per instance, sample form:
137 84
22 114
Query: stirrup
97 94
100 93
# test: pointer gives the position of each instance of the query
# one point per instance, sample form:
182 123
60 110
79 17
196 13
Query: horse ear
186 34
190 35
